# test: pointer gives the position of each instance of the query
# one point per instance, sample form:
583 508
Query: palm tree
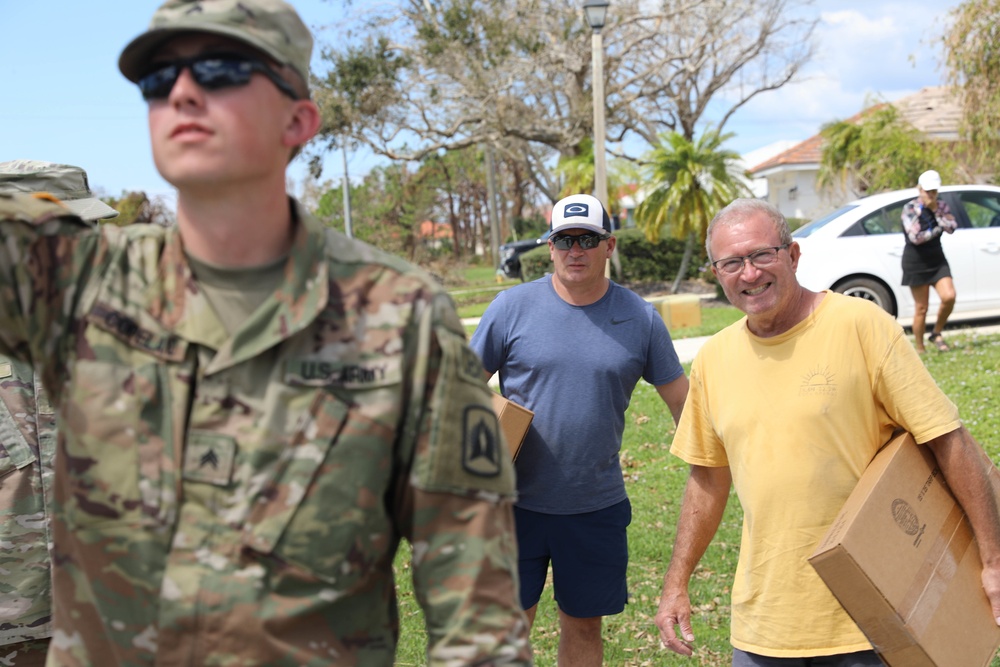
839 153
690 182
577 171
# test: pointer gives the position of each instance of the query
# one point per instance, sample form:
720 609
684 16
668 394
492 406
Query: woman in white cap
924 264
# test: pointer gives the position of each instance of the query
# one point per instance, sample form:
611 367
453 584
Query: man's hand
705 497
675 611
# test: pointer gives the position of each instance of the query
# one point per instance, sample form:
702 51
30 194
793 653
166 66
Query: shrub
643 261
536 263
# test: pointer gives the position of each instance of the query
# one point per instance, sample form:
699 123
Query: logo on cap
576 211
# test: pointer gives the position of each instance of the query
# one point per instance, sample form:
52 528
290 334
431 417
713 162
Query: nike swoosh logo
615 322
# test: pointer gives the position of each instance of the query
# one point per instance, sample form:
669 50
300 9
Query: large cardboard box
902 560
679 310
514 422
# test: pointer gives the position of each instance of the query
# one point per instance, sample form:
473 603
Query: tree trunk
685 263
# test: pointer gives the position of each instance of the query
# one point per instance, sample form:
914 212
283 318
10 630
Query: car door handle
992 248
896 252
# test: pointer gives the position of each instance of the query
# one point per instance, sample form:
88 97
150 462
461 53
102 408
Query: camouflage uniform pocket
119 414
15 453
321 508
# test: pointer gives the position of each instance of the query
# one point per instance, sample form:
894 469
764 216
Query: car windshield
811 227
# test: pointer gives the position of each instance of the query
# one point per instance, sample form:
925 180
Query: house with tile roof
791 174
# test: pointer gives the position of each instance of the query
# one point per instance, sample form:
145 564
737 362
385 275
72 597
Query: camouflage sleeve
456 509
43 265
25 469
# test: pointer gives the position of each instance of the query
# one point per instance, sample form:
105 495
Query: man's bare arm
705 498
674 394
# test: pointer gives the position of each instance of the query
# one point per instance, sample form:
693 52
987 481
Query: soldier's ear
303 122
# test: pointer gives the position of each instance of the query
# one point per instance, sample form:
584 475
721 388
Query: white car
858 248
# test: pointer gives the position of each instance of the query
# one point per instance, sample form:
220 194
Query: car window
887 220
983 208
811 227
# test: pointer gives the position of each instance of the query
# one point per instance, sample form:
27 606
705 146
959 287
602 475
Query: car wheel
869 290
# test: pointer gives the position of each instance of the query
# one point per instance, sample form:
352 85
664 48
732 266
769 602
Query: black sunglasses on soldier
212 71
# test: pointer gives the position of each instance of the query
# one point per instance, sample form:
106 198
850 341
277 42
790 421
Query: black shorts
928 276
589 556
924 265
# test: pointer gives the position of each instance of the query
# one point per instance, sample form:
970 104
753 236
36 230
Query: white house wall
793 192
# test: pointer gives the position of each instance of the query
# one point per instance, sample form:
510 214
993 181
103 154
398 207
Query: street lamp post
596 12
348 228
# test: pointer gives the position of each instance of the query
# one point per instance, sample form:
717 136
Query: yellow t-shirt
797 418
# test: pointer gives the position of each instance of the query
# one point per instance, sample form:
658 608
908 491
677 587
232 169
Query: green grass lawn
970 375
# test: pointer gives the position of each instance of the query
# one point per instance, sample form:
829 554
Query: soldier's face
205 139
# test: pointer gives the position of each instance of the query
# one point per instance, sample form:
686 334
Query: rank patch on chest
480 442
6 370
209 458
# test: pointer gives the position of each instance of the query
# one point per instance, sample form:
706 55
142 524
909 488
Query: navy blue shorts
589 556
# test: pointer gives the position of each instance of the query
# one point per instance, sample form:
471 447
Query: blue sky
64 100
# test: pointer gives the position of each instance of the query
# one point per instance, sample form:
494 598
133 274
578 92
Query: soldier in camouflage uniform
27 445
254 409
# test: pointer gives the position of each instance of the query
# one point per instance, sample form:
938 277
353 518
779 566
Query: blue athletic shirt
575 367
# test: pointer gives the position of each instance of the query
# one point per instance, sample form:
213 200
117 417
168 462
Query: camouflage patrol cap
270 26
65 182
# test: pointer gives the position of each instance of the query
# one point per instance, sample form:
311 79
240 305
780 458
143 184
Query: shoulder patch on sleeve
466 453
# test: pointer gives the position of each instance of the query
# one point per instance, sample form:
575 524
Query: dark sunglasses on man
586 241
212 71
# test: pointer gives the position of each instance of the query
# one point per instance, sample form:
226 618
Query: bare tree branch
429 76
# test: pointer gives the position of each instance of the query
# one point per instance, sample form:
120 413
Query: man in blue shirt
571 347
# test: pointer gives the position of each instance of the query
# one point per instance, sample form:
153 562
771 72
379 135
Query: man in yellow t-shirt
790 405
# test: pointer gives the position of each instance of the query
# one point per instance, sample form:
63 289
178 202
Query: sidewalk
688 347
